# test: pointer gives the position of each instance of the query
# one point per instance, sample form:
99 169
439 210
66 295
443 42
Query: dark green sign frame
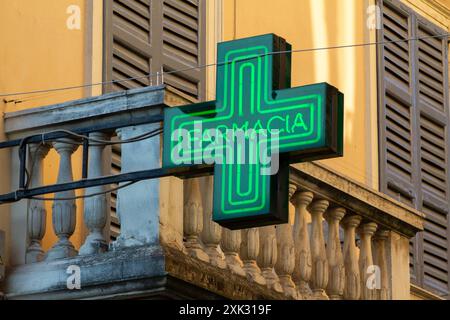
253 93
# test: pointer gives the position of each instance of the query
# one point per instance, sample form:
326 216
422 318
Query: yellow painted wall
323 23
39 51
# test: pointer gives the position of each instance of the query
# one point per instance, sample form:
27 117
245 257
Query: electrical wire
140 137
157 74
99 142
86 195
159 131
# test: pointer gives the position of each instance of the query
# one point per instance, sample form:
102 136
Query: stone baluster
268 257
352 288
231 244
303 262
368 289
319 275
212 232
37 214
64 211
95 208
286 254
193 219
336 271
380 240
249 254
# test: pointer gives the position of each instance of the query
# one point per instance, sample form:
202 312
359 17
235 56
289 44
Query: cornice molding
423 294
439 6
434 10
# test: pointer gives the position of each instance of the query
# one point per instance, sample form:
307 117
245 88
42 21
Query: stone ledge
113 107
422 294
219 281
115 272
136 273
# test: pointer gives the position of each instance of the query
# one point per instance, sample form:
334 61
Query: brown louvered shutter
433 117
129 51
143 37
396 126
414 135
184 46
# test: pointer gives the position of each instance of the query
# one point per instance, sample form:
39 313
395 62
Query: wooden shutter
433 117
414 135
143 37
129 48
115 169
396 130
183 45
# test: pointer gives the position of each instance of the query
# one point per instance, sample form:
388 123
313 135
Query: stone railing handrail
114 109
356 196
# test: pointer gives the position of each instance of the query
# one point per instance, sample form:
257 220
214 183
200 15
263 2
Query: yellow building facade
51 44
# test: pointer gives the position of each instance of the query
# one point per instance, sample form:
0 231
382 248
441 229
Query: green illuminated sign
254 129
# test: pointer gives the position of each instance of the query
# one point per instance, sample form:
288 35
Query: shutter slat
435 243
181 84
430 61
432 166
177 46
396 116
435 43
431 94
428 72
430 148
180 31
395 17
137 61
393 41
134 17
179 17
138 7
435 266
396 69
432 82
396 26
186 7
133 44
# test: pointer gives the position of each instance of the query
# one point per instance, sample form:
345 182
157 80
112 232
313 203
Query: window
414 134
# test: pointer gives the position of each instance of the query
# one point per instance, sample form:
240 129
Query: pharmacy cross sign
255 128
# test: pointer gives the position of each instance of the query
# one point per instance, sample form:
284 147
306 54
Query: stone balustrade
299 259
343 240
63 209
331 248
136 253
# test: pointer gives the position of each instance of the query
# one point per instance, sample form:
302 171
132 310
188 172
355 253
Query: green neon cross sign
254 97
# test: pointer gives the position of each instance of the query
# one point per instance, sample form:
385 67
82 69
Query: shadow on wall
323 23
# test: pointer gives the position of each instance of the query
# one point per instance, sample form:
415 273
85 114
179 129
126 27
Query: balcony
343 241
